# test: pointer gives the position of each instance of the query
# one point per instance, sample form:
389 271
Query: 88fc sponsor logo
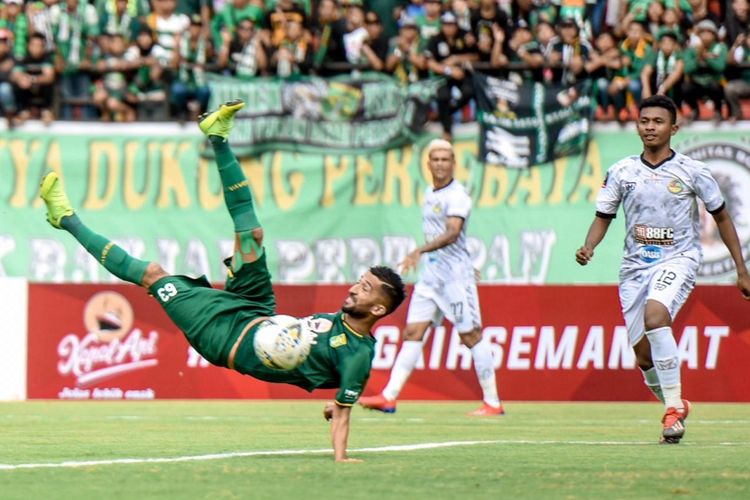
647 235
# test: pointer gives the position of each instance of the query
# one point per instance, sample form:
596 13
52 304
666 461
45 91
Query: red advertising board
553 343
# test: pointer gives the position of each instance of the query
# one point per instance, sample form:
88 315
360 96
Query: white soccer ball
283 342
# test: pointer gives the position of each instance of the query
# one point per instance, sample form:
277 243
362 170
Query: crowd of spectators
138 59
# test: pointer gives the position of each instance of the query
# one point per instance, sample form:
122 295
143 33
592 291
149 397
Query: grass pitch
208 449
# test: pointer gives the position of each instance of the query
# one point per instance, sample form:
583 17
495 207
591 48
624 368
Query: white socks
485 369
666 364
651 379
405 362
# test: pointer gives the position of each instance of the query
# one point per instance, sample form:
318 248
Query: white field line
380 449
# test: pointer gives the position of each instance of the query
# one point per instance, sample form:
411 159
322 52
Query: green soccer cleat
220 122
58 204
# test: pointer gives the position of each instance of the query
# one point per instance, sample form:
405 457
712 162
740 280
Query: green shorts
213 319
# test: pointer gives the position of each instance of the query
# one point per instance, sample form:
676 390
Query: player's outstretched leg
217 126
60 215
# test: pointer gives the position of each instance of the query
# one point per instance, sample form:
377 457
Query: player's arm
453 227
729 237
340 432
595 235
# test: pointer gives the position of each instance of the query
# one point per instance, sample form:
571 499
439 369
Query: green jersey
342 358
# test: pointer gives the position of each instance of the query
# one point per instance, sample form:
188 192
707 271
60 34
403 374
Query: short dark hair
393 286
660 101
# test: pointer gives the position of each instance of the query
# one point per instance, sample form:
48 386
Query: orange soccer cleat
488 411
379 403
674 423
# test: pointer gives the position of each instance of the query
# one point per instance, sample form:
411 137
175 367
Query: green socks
113 258
237 194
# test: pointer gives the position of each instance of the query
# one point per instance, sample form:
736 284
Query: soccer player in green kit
221 324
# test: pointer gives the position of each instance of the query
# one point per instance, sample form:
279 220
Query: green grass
546 450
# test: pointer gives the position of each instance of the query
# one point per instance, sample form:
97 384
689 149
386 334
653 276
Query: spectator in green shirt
232 13
663 70
705 62
15 21
634 51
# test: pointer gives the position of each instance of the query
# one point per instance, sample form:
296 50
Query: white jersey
452 262
660 205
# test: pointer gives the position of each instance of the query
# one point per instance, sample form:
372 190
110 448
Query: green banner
327 217
313 114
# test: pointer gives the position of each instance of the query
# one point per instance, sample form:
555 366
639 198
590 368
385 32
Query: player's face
365 298
655 127
441 166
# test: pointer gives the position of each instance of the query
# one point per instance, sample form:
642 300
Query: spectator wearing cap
429 23
242 55
75 26
603 64
231 15
33 78
190 90
7 98
739 87
405 59
705 62
664 68
449 54
570 52
634 51
16 22
525 49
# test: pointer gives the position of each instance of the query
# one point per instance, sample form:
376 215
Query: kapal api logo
110 346
729 164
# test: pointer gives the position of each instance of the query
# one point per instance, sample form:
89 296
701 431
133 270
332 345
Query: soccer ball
283 342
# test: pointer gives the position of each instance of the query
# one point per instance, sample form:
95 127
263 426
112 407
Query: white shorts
668 283
456 301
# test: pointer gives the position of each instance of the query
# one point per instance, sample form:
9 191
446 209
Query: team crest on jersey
675 186
337 341
437 208
729 164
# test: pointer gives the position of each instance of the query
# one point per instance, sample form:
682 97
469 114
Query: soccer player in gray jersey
446 288
659 191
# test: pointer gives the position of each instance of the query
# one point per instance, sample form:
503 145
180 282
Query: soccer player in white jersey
446 288
658 191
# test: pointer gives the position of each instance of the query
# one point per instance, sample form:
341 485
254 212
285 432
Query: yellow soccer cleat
220 122
58 204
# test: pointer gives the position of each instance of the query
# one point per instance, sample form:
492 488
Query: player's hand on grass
328 410
584 255
743 283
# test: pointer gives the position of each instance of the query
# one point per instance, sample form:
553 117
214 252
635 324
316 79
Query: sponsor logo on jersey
337 341
729 164
675 186
629 186
648 235
651 253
